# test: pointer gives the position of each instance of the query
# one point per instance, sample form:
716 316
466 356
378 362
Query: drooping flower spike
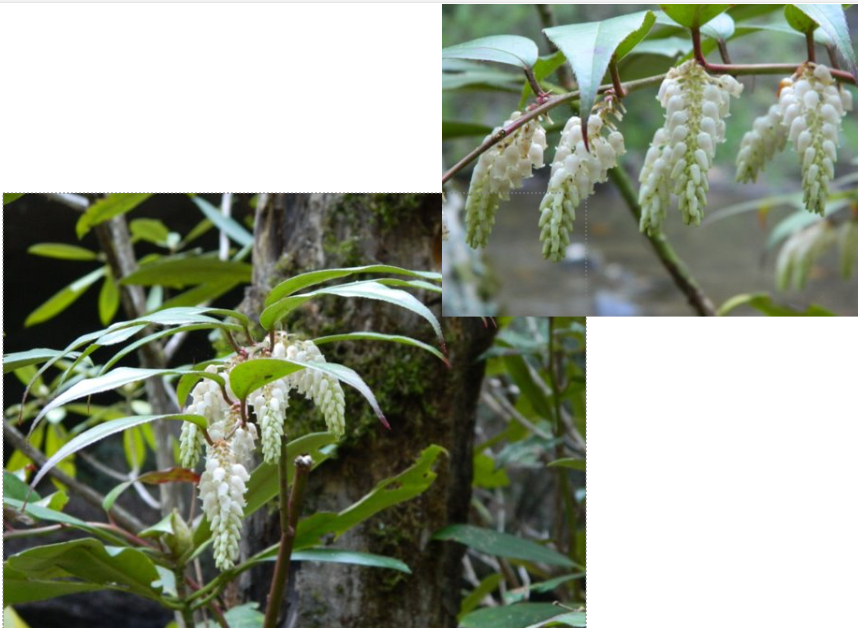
682 151
499 170
575 172
767 137
812 108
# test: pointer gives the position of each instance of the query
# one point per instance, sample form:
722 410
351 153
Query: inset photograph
629 161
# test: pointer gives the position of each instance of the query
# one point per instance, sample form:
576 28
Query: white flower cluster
812 108
500 169
270 403
767 137
574 174
233 439
222 487
207 402
682 151
323 389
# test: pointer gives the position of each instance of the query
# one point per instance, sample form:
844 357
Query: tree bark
425 402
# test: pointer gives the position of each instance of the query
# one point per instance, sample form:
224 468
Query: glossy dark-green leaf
251 375
103 430
333 555
832 20
275 312
110 381
18 589
509 49
369 335
590 47
107 208
389 492
179 272
90 561
313 278
502 544
58 250
693 15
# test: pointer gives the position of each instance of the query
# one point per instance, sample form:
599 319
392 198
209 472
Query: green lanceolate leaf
228 225
832 20
150 230
501 544
58 250
104 430
107 208
64 298
332 555
361 289
590 47
108 300
110 381
18 589
693 15
314 278
251 375
91 561
180 272
130 348
521 615
12 361
369 335
569 463
509 49
11 198
407 485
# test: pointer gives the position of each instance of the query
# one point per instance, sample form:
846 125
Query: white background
220 97
722 472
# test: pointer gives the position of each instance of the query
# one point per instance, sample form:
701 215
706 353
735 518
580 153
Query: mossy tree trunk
424 401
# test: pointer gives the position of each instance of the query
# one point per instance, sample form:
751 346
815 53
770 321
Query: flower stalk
290 510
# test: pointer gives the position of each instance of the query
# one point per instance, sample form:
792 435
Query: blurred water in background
727 257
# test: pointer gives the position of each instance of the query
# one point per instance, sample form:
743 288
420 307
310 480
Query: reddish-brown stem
232 343
615 80
811 49
534 85
290 510
722 49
